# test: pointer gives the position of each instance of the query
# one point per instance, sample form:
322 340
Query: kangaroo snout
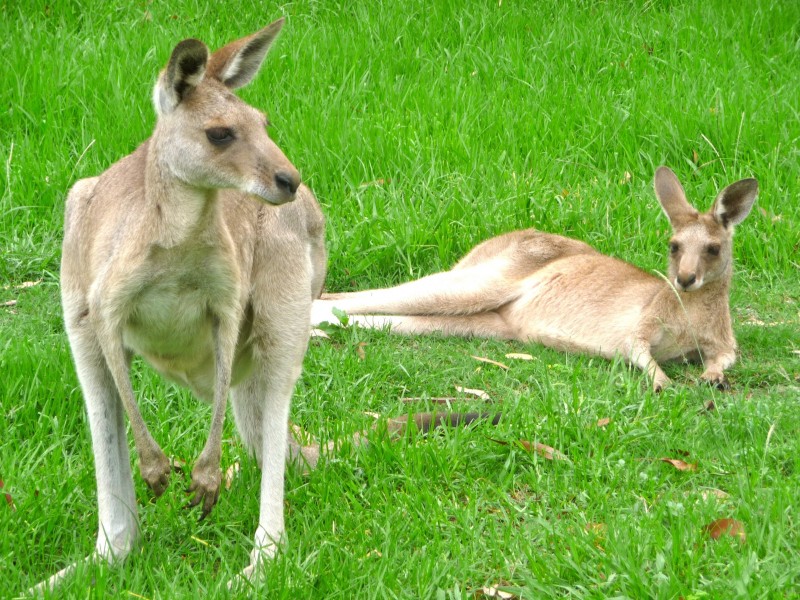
685 281
287 181
277 187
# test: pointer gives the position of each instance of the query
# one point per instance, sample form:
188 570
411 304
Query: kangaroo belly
570 305
171 327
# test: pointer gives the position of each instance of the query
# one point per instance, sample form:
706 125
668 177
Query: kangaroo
534 286
201 252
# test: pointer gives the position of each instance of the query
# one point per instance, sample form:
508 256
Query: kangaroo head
209 138
700 248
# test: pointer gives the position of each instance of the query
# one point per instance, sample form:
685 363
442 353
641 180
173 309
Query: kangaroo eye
713 249
220 136
674 247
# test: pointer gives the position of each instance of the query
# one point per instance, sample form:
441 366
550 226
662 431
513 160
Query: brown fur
534 286
201 252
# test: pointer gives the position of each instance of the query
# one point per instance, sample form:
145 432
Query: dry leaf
519 356
772 217
362 355
680 464
491 362
319 333
596 528
547 452
9 303
374 415
603 422
379 181
730 527
177 464
494 592
230 473
626 177
27 284
708 494
473 392
376 553
709 406
695 157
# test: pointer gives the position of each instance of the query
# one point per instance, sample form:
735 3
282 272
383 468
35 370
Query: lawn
425 128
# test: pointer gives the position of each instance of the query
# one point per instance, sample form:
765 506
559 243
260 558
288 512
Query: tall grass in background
424 128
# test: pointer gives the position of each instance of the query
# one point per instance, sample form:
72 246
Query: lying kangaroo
200 252
534 286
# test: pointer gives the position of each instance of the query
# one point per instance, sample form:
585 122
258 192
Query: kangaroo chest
688 329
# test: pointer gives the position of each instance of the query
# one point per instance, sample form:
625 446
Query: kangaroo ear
185 70
670 194
733 203
237 63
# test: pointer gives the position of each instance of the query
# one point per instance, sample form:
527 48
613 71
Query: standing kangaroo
202 253
534 286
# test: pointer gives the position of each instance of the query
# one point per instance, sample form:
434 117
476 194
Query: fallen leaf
603 422
626 177
9 303
473 392
375 552
319 333
596 528
547 452
379 181
772 217
680 464
178 464
519 356
362 355
27 284
708 494
695 157
230 473
374 415
494 592
490 361
709 406
730 527
10 501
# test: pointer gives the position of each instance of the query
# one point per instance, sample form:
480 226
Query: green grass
424 129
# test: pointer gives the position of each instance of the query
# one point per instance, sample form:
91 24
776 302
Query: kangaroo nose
287 182
686 281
